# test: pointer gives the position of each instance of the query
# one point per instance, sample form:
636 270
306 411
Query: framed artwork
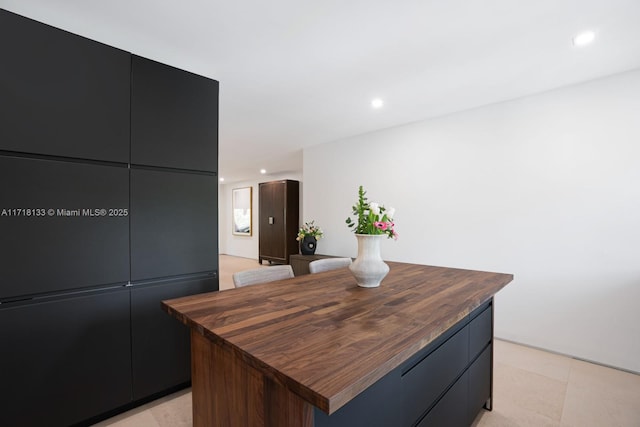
241 206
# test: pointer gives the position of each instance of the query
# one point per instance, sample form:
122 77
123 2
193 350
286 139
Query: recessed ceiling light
377 103
263 171
584 38
221 179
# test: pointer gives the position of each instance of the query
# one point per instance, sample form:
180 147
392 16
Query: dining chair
262 275
327 264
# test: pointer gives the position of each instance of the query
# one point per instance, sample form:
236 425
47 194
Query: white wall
546 187
244 246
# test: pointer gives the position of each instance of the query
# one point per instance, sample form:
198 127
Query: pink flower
381 225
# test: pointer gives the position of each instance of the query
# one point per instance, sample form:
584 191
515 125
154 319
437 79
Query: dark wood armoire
279 214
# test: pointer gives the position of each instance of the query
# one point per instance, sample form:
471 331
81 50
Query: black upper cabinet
174 117
53 238
174 223
62 94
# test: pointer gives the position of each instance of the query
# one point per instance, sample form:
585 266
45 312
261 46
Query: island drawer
424 382
479 383
448 410
480 332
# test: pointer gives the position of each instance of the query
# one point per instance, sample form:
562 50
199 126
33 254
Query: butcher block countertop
325 338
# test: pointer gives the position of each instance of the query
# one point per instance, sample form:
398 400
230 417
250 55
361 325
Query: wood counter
262 355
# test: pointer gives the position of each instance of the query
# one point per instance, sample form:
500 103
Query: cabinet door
272 226
161 344
174 117
65 242
174 223
62 94
65 361
292 218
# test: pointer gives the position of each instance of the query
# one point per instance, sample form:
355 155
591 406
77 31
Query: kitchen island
317 350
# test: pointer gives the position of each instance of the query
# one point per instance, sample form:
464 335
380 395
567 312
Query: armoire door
272 226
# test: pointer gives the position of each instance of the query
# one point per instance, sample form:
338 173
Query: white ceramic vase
368 268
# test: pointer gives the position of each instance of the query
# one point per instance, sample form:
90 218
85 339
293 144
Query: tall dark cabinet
278 220
174 214
108 193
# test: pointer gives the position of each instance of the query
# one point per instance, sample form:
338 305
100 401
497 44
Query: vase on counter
308 245
368 268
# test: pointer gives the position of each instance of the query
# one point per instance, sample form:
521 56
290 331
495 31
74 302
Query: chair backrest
327 264
262 275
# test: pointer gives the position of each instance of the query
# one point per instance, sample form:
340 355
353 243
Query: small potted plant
308 236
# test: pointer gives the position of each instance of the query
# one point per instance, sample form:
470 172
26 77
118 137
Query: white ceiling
296 73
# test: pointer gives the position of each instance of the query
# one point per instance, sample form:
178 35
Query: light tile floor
537 388
232 264
532 388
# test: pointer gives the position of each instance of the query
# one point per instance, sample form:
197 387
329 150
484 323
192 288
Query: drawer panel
480 332
479 383
426 380
450 409
377 406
